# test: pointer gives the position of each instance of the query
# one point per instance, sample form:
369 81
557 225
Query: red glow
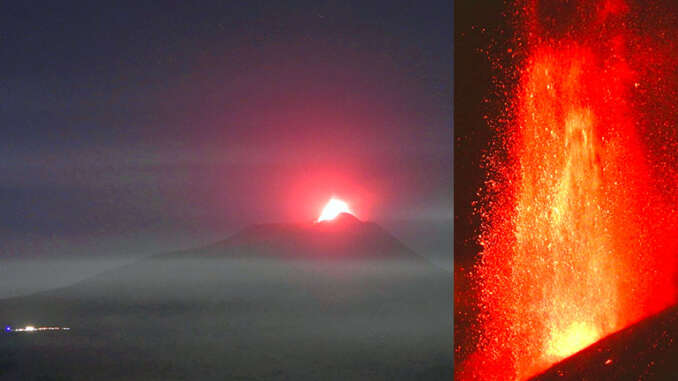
332 209
578 235
308 193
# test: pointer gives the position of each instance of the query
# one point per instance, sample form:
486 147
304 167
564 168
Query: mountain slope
646 350
343 238
259 305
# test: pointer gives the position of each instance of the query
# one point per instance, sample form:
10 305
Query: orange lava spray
579 237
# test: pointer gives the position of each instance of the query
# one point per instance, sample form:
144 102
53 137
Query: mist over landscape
245 308
165 167
26 272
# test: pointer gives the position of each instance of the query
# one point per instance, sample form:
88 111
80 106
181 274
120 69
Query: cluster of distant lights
30 328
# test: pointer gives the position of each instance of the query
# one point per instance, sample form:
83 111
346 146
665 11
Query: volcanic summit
341 238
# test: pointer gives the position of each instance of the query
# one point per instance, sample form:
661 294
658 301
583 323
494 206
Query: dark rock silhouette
342 238
337 300
646 350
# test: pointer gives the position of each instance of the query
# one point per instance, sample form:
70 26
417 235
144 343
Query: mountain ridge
345 237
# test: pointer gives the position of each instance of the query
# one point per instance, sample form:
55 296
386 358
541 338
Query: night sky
132 127
478 36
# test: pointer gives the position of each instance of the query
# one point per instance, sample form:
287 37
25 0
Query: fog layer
215 318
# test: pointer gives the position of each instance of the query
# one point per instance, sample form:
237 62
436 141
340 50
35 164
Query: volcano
342 238
334 300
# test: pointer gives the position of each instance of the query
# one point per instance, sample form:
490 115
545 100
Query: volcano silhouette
335 300
345 237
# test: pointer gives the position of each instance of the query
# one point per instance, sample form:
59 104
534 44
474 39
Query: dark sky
479 35
143 125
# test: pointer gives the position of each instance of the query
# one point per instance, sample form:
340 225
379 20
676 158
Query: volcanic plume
578 235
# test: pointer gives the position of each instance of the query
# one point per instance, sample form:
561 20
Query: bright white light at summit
332 209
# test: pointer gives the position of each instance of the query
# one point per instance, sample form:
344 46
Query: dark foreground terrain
646 350
210 318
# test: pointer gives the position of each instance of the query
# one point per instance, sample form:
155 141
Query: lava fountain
579 235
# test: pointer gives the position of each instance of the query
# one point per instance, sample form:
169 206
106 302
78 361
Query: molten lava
332 209
579 237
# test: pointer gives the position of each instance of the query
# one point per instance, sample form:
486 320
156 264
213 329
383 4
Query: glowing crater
574 338
332 209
